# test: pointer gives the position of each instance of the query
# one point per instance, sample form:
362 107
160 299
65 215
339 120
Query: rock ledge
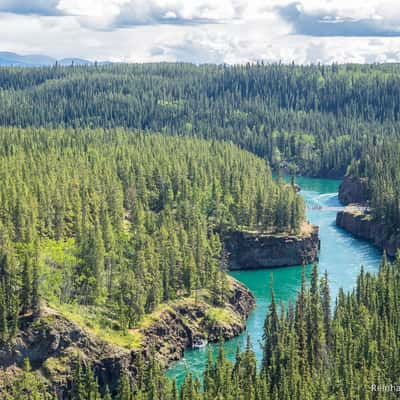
252 250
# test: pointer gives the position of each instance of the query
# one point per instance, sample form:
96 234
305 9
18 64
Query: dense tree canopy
310 352
313 119
318 117
137 218
98 212
381 166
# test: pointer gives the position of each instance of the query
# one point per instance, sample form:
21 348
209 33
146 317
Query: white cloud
30 7
139 12
207 48
341 18
228 31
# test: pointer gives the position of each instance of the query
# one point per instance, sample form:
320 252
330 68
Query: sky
204 31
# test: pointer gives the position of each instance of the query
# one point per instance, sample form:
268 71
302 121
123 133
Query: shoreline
357 217
249 250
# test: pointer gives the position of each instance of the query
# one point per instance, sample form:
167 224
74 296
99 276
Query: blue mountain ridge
37 60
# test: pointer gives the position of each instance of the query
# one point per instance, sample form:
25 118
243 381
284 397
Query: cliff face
249 250
186 320
363 226
53 343
353 190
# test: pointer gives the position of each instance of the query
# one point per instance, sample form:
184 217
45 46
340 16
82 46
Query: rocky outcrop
186 320
357 220
252 250
362 225
297 187
353 190
53 343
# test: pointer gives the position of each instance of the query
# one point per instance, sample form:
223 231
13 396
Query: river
341 255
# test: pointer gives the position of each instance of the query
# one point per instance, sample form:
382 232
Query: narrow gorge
54 342
341 255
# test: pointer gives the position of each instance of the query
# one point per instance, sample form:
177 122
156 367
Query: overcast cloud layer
204 31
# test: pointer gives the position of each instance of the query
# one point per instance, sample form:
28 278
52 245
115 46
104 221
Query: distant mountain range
37 60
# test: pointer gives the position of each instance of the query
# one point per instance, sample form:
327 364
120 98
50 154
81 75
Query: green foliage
103 219
314 119
26 386
381 166
312 354
118 221
319 117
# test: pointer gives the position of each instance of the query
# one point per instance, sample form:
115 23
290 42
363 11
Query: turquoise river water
341 255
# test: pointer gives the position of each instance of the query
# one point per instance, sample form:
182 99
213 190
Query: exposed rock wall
53 343
179 325
353 190
363 226
249 250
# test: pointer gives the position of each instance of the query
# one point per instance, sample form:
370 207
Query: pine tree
124 387
107 394
270 334
35 301
91 385
92 267
26 290
316 335
326 307
79 389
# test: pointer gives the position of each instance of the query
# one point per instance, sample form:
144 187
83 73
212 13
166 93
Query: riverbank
182 323
66 332
353 190
362 225
254 250
357 218
55 341
341 256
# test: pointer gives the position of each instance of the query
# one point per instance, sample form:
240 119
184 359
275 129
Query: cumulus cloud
204 31
333 19
153 12
222 47
204 49
31 7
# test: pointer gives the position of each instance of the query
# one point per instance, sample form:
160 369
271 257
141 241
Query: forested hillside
316 117
104 220
120 221
309 352
381 165
315 120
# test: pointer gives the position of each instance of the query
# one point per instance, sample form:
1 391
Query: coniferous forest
315 120
310 352
137 218
118 184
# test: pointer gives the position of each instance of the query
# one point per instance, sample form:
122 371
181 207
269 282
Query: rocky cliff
252 250
357 220
353 190
362 225
187 319
53 343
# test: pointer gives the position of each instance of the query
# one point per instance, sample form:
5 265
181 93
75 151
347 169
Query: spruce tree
26 290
